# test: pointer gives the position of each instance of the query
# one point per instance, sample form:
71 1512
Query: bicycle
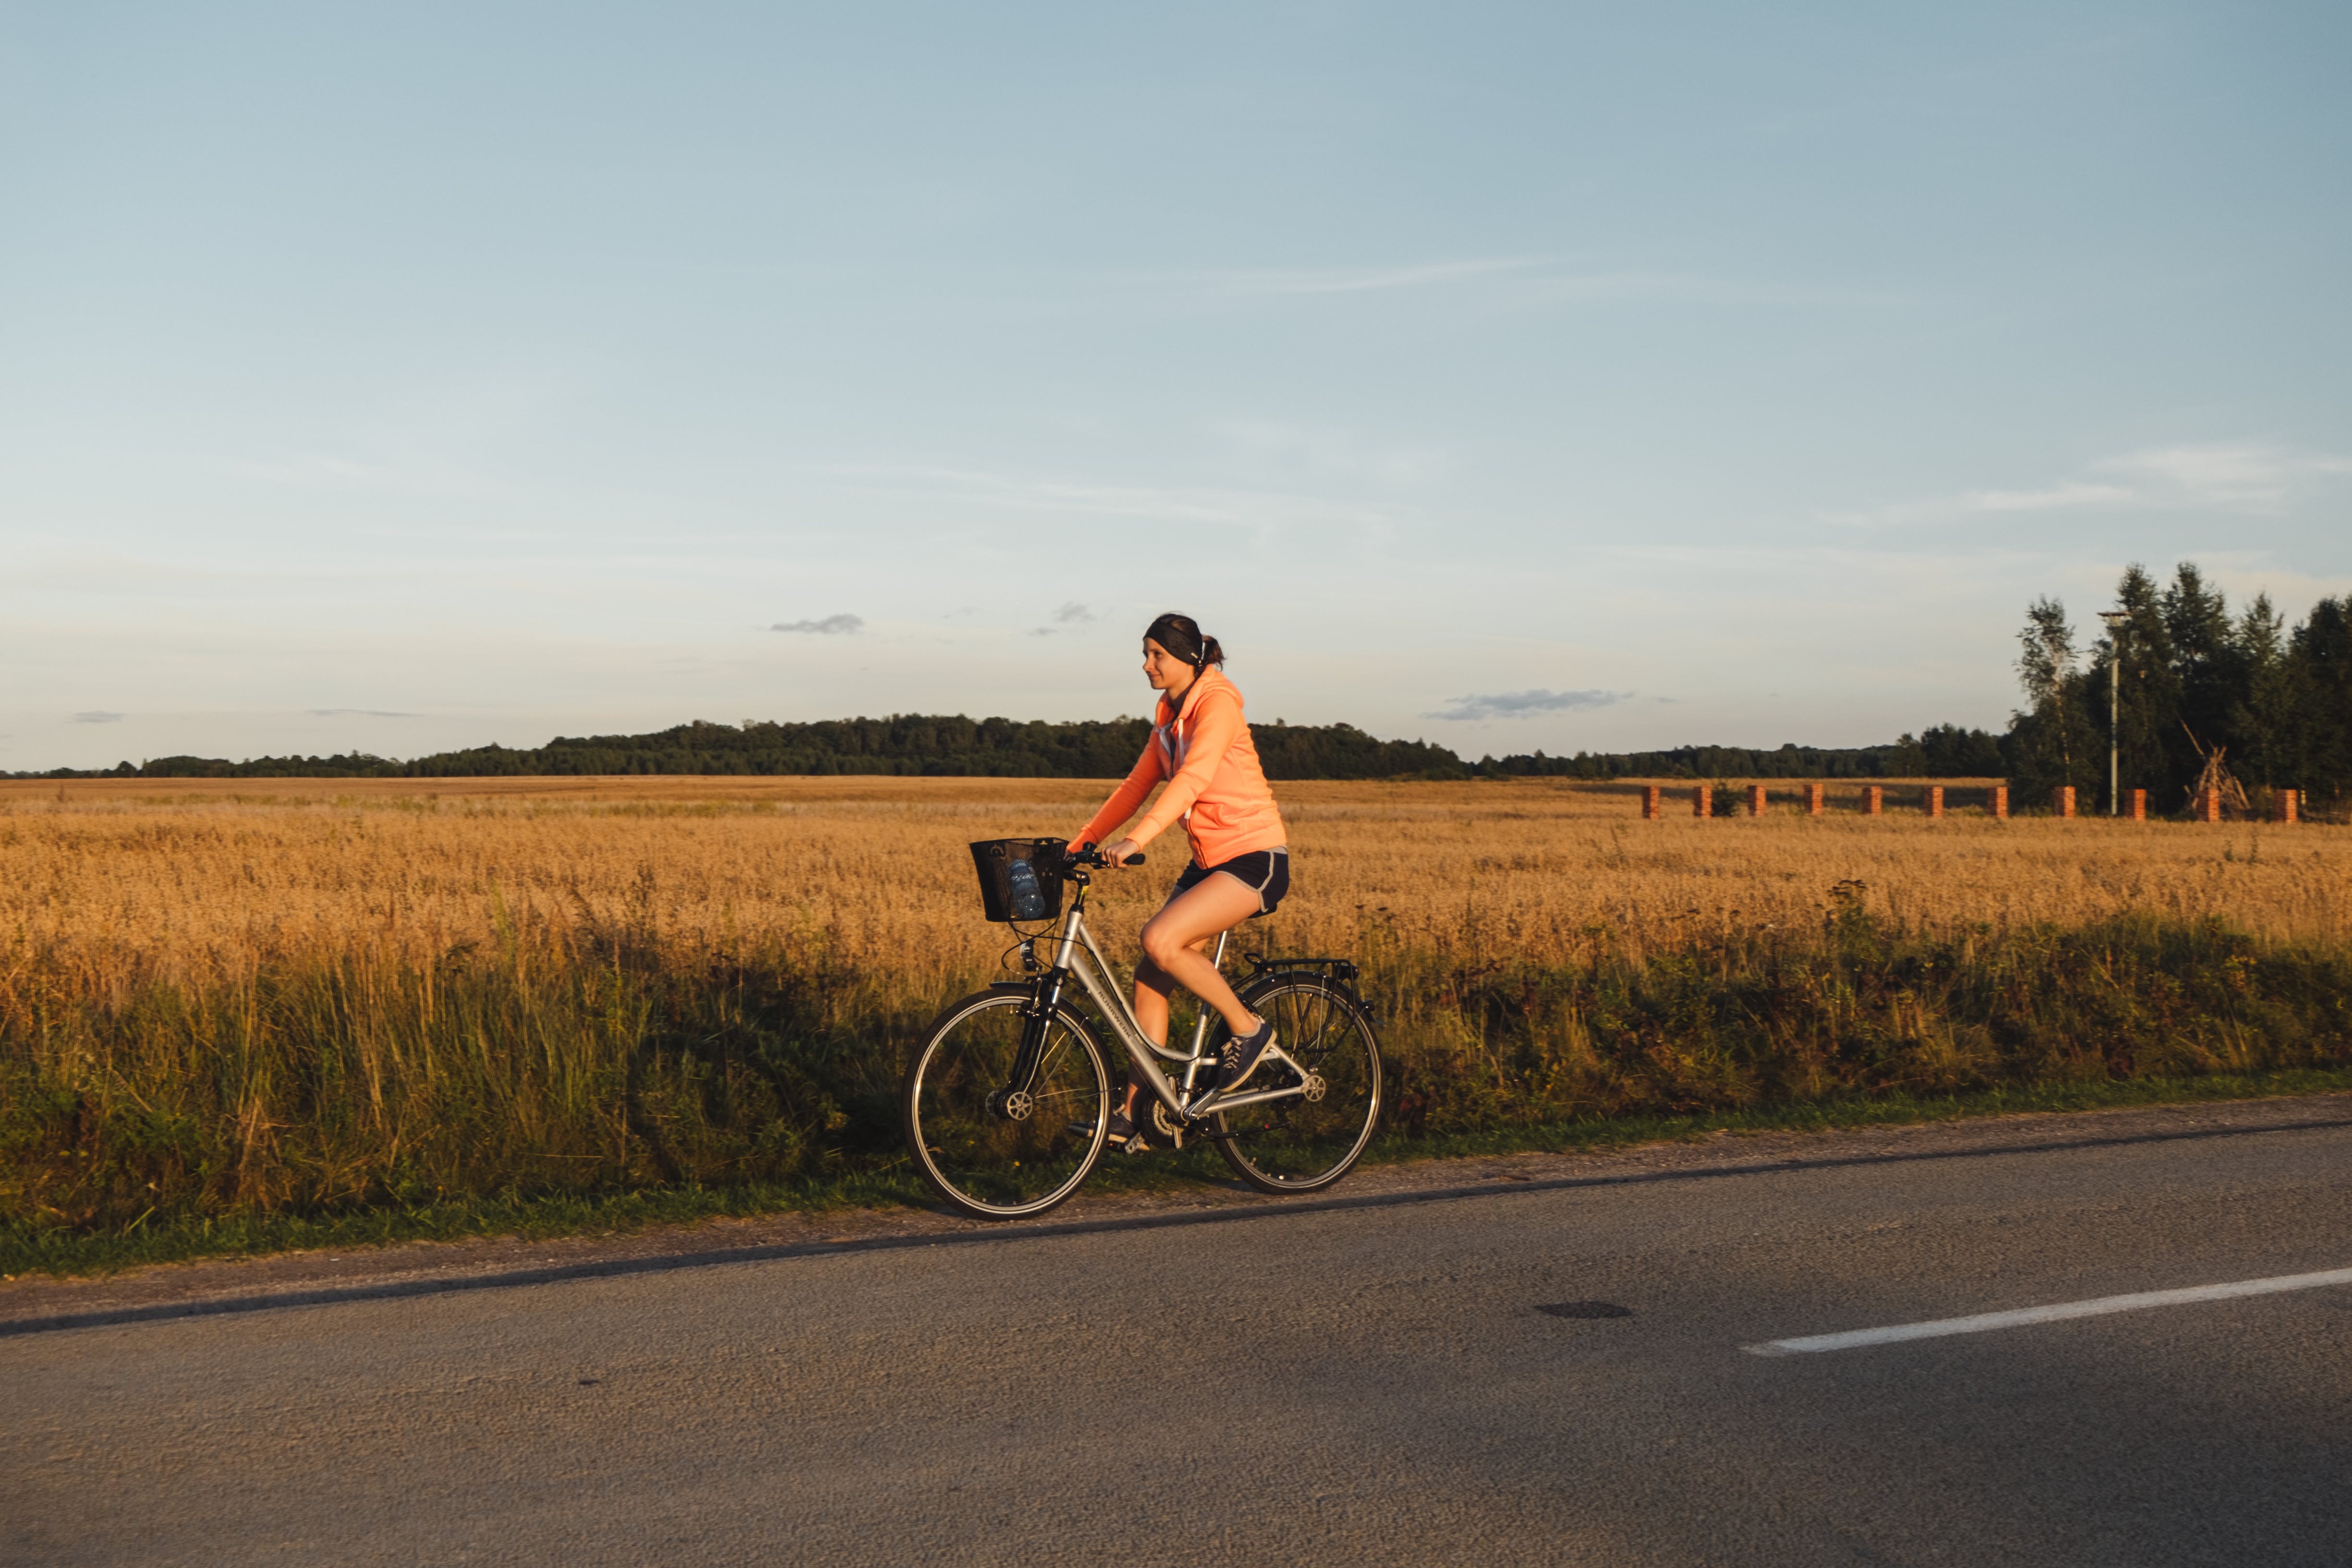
1006 1104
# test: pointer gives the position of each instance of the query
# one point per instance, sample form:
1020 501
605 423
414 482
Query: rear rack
1337 968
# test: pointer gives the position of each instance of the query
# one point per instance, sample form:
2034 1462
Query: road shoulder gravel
38 1304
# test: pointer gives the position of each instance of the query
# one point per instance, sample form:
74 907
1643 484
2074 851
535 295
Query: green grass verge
26 1251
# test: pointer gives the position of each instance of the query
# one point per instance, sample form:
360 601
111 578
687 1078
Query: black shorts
1266 873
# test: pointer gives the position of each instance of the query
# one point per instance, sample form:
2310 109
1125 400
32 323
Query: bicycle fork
1036 1021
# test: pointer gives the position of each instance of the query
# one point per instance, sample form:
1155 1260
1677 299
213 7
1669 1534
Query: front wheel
1305 1142
1004 1114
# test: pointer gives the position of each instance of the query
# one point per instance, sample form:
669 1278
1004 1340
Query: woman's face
1164 669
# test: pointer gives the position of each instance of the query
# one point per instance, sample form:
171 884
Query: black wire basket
1020 878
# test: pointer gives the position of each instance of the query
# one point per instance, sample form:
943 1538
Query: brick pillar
1934 802
1651 797
1997 802
1813 793
1702 800
1755 800
2283 806
2139 799
2062 801
1874 800
2209 805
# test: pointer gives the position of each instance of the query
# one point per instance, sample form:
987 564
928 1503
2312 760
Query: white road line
1855 1339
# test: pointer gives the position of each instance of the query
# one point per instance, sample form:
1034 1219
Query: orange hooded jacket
1215 788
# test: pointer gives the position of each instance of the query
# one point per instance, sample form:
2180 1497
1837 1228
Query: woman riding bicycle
1241 861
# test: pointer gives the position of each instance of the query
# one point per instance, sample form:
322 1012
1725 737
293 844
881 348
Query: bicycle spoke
990 1147
1301 1143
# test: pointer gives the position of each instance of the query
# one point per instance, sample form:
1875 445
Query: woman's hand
1120 853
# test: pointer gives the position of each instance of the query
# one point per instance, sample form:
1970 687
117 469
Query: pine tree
2262 705
2319 657
2204 649
2151 693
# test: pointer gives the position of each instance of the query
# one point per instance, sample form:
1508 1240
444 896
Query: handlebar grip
1133 860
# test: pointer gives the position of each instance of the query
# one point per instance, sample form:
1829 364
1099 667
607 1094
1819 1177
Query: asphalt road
1262 1381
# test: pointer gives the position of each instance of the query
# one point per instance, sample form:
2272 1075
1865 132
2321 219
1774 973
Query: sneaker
1121 1134
1241 1056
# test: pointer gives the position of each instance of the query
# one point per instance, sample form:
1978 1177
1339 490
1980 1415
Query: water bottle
1028 899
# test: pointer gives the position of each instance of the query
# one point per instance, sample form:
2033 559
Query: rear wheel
1305 1142
994 1144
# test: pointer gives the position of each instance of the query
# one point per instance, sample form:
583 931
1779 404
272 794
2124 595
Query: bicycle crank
1167 1126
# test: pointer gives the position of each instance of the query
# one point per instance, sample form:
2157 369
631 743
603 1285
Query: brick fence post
1874 800
2209 805
1755 800
2062 801
1651 795
1702 800
2283 806
1813 793
1997 803
1934 802
2139 799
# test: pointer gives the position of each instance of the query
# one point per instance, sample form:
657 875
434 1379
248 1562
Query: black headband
1169 632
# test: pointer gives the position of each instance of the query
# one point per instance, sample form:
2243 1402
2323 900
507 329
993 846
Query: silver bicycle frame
1078 954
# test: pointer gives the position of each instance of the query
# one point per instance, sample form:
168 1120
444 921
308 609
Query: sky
1573 377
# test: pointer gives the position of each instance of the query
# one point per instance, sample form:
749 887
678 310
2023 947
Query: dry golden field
228 1000
184 881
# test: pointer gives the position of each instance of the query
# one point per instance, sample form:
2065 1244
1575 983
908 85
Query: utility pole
2116 620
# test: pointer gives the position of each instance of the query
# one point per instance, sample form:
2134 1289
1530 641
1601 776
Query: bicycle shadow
974 1233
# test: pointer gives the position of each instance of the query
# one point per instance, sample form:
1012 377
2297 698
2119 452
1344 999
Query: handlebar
1091 855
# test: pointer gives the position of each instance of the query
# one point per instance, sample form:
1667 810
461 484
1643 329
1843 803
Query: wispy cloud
1249 509
830 627
2251 474
360 713
1363 279
95 718
326 471
313 471
1526 704
1663 286
1512 281
1328 449
2052 498
2217 476
1069 616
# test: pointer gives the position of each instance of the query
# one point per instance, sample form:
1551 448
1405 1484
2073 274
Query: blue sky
397 378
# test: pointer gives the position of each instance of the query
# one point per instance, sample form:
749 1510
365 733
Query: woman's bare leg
1173 956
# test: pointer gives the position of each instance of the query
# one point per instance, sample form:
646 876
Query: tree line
932 746
2182 679
2275 701
940 745
1939 752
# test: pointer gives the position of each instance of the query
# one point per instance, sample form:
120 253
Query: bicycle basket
1020 878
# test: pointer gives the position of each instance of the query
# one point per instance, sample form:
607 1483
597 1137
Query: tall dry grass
132 882
318 993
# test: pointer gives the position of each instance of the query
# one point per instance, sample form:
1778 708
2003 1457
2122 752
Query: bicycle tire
1302 1144
986 1161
